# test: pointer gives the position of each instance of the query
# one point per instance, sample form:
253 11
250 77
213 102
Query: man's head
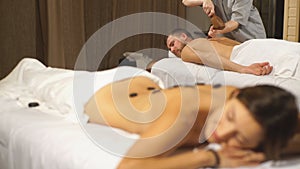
177 40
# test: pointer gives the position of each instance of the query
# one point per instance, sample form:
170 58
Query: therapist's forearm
229 27
192 2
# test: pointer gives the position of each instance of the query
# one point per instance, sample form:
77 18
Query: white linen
49 136
173 71
61 89
32 139
171 54
140 59
283 55
243 80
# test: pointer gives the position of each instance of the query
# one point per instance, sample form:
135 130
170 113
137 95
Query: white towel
283 55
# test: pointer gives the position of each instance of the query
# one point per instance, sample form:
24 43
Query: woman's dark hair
276 111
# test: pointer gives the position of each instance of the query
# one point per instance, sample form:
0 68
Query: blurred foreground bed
42 125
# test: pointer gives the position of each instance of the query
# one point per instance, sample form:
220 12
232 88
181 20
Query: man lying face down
252 124
213 52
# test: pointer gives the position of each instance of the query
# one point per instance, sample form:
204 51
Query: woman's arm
228 157
186 160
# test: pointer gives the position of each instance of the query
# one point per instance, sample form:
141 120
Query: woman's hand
235 157
263 68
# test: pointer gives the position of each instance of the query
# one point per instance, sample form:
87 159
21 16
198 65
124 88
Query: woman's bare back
138 105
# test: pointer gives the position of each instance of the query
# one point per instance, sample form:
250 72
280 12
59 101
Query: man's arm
201 51
211 59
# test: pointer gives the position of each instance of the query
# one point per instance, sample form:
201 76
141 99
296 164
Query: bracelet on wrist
217 158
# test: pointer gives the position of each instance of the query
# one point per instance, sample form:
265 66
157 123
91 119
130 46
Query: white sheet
283 55
173 71
61 89
50 136
33 139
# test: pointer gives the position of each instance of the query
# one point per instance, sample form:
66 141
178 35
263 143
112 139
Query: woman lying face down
251 124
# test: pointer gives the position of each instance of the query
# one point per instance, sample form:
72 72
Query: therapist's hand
212 33
229 27
258 69
208 7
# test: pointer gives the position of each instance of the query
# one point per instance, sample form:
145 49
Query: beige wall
291 20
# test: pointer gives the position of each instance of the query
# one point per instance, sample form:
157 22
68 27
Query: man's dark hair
177 32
